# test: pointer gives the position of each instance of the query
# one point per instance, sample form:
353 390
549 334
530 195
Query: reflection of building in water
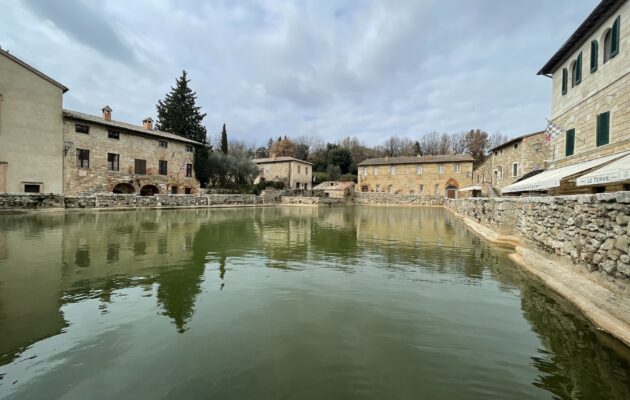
576 362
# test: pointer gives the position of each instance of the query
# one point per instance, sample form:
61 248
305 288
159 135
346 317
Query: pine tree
178 114
224 142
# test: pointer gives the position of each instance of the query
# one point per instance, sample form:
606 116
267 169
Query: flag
552 132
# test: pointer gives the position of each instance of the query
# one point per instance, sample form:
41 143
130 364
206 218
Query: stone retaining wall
311 201
370 198
108 200
588 230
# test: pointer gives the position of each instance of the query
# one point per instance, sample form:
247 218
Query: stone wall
30 201
587 230
397 199
311 201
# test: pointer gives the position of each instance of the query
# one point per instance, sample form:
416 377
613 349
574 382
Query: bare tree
497 139
458 143
430 143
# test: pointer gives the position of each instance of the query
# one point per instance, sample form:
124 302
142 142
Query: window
32 188
140 167
603 129
82 128
189 148
187 190
437 188
113 162
514 169
418 169
611 41
515 146
594 51
421 189
576 71
376 171
565 80
188 170
378 188
306 170
441 168
83 158
113 135
298 169
163 143
297 185
411 192
392 170
569 145
458 168
163 167
365 170
389 189
174 189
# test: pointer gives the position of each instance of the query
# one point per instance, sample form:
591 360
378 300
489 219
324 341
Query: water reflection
176 258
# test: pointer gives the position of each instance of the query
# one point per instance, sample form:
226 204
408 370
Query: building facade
105 156
31 140
433 175
590 98
511 161
296 174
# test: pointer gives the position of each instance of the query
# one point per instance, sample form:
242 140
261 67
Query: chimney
147 123
107 113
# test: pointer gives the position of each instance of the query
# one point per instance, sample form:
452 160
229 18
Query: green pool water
284 303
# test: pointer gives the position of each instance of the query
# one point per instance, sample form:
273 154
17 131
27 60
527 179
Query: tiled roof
601 13
516 139
75 115
278 159
333 185
418 159
33 70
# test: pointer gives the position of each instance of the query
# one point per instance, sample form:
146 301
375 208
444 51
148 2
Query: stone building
435 175
511 161
590 105
102 155
296 174
31 140
335 189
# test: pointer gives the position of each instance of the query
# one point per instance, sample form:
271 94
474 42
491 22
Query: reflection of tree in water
576 363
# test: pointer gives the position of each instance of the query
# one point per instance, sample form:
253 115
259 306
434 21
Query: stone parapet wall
311 201
107 200
361 198
30 201
587 230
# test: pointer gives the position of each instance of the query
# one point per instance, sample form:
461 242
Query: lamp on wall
537 146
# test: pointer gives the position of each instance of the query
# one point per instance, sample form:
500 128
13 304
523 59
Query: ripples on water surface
284 303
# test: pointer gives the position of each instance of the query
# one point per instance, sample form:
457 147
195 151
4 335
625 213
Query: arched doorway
364 188
124 188
149 190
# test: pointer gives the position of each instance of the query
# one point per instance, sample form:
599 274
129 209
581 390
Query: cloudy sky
364 68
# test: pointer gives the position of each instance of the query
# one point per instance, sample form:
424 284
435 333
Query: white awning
551 178
470 188
616 171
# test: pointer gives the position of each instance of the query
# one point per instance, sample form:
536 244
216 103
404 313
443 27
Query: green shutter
614 40
594 55
569 147
578 72
565 78
603 128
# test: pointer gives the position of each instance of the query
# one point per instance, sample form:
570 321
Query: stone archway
149 190
124 188
451 188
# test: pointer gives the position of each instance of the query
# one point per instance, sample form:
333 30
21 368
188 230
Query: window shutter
578 72
570 143
565 79
603 128
614 42
594 55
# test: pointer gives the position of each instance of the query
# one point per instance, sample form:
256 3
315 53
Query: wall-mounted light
66 147
537 146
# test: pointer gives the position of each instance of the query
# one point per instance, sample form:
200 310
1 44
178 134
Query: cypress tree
224 142
179 114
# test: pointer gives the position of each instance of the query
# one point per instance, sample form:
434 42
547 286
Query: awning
616 171
470 188
551 178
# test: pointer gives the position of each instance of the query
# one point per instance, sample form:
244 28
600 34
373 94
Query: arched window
576 71
611 41
594 54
